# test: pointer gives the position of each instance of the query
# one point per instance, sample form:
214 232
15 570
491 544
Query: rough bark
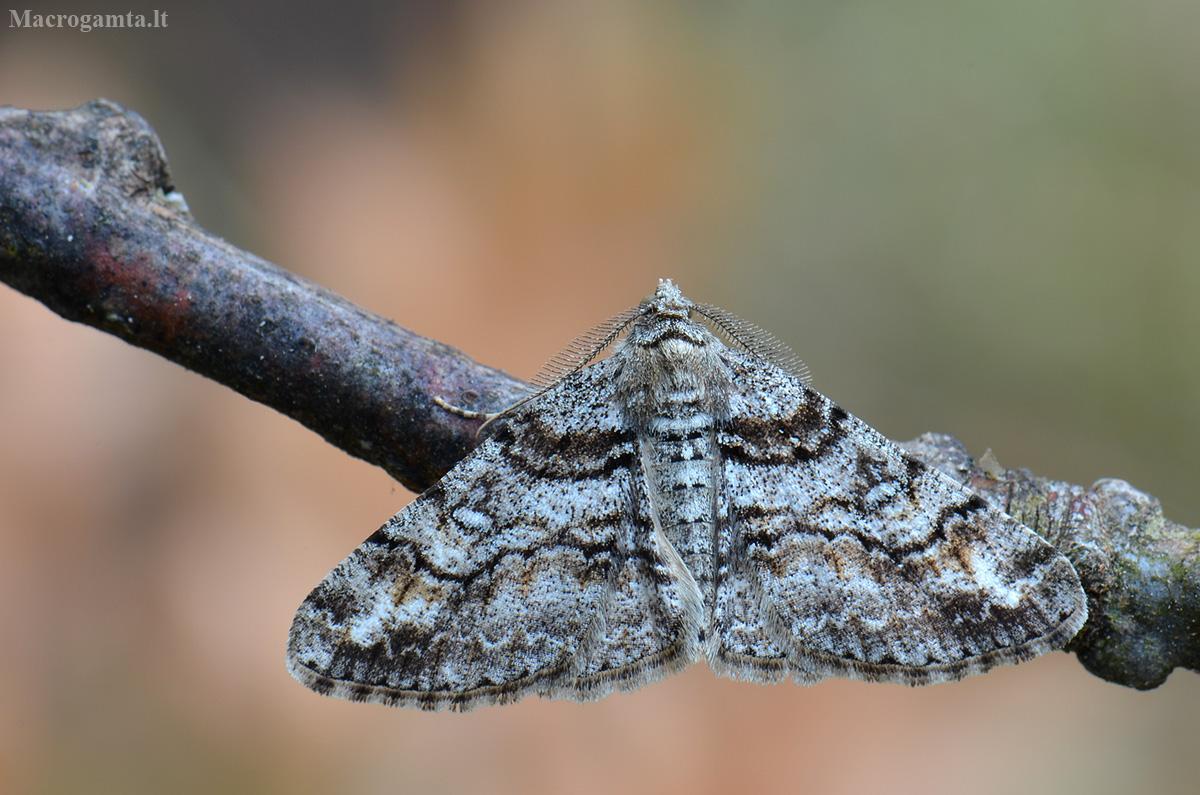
91 226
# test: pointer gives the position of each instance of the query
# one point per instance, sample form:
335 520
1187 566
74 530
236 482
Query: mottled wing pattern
532 566
845 557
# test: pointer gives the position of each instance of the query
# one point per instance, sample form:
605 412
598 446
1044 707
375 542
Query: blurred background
978 219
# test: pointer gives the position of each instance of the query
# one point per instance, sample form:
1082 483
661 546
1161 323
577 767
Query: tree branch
91 226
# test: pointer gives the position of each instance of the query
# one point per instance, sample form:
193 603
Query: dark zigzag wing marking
450 605
862 561
512 575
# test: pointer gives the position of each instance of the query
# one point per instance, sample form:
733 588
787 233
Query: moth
683 498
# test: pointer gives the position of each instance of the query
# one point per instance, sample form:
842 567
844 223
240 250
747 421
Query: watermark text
86 23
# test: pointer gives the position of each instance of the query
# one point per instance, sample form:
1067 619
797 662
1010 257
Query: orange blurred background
971 219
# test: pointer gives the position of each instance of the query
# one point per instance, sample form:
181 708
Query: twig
91 226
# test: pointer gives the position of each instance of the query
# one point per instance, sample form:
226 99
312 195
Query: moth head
667 301
664 322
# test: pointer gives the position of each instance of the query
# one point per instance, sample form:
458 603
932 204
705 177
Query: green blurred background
972 218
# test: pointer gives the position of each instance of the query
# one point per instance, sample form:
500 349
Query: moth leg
470 414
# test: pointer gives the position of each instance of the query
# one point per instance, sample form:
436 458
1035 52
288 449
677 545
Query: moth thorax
672 374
